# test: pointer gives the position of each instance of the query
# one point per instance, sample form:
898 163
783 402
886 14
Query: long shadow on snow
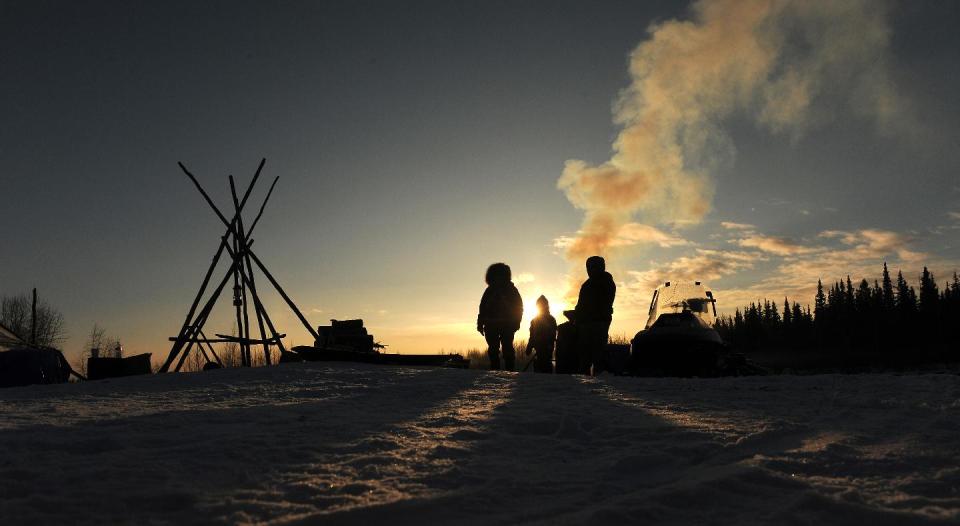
188 466
567 450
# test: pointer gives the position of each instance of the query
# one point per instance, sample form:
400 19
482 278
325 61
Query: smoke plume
782 63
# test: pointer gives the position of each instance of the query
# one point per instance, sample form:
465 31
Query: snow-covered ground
351 443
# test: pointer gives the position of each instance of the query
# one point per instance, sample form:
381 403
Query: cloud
775 245
871 243
774 60
737 226
630 234
524 277
704 265
637 233
954 215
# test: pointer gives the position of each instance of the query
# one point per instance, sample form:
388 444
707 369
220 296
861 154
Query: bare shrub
16 314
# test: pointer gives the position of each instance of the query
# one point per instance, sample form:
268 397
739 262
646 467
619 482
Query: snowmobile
679 338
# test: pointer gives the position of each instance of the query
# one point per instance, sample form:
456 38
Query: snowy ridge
352 443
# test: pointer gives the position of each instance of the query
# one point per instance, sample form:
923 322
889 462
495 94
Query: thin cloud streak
775 245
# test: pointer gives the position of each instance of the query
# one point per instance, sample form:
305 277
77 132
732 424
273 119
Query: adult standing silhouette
501 309
594 312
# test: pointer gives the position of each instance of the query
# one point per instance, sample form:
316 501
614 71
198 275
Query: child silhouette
543 335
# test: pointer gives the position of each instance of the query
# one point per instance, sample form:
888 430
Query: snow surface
352 443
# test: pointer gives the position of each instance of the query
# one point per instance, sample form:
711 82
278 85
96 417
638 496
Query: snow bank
352 443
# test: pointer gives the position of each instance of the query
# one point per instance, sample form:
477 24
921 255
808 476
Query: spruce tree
820 301
904 301
888 299
848 299
929 297
862 300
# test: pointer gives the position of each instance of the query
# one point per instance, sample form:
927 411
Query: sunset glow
730 156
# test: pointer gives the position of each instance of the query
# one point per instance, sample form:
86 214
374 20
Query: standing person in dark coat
501 309
594 312
543 336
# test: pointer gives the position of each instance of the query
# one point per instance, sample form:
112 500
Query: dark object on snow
349 341
616 358
30 365
567 356
210 366
99 368
680 340
314 354
345 334
677 344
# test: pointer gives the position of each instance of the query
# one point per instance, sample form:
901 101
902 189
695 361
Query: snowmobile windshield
676 298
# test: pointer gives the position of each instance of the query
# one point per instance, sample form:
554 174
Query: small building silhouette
9 340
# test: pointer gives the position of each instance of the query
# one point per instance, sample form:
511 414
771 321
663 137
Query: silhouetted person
594 311
543 336
500 311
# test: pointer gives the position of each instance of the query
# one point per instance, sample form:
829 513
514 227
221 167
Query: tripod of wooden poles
236 242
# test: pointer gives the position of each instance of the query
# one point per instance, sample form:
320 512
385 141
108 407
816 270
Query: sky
756 146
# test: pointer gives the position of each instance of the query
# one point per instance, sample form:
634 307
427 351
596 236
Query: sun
530 310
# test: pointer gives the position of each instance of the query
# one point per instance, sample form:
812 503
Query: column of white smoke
776 61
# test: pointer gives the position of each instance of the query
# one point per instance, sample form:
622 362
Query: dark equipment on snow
23 363
349 341
109 367
679 338
568 359
33 365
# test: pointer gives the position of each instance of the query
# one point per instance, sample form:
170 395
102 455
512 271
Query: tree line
887 319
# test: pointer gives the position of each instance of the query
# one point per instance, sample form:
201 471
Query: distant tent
9 340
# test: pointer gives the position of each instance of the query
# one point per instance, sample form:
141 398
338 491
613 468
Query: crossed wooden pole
236 242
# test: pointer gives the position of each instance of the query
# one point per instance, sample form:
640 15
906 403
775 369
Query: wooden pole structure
236 242
266 317
247 270
242 269
259 263
33 319
238 300
189 321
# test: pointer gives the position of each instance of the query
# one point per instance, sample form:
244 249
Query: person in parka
594 312
501 309
543 336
